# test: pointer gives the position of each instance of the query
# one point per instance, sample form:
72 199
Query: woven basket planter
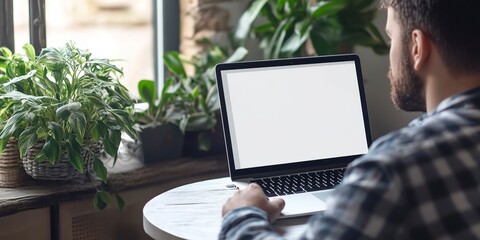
12 173
63 170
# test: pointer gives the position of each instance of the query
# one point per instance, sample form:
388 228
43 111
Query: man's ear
420 49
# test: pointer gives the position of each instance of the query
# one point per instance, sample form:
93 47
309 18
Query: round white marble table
193 211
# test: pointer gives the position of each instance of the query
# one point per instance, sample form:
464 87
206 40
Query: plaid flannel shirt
420 182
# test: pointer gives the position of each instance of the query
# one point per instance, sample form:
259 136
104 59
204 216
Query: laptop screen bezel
305 166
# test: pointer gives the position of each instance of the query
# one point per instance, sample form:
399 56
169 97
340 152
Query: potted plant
199 101
66 107
306 27
160 125
12 173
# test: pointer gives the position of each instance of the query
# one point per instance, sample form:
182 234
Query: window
114 29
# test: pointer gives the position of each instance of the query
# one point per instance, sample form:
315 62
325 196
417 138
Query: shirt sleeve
365 206
247 223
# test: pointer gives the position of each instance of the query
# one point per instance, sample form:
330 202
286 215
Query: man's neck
442 85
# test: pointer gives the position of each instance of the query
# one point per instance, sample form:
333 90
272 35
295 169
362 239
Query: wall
384 117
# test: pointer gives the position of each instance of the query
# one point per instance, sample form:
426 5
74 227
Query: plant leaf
6 52
64 111
3 144
74 156
105 197
100 169
29 51
298 39
27 139
52 150
12 125
246 20
120 201
78 123
102 129
238 55
57 131
204 143
328 8
20 78
273 48
98 202
146 90
174 64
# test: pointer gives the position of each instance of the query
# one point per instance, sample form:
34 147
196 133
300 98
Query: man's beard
407 89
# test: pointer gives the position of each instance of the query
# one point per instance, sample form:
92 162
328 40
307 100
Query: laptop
293 125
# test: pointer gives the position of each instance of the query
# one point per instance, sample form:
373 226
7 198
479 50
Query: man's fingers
279 203
253 195
275 207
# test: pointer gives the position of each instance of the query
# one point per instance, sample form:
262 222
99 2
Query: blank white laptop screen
280 115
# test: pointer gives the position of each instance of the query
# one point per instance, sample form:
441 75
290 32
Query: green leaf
238 55
40 157
281 5
174 64
105 63
328 8
27 139
64 111
74 156
111 141
12 125
115 137
146 90
120 201
320 43
198 122
94 132
246 20
297 40
204 141
164 98
194 93
6 52
3 144
20 78
100 169
102 129
57 131
109 147
183 124
78 123
98 202
52 150
29 51
97 101
275 43
105 196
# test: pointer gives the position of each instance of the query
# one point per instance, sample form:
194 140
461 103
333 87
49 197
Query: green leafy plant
158 123
198 91
66 99
286 28
161 107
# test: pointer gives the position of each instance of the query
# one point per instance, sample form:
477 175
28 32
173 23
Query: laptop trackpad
301 205
323 195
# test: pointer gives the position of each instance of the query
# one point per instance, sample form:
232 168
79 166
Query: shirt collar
455 101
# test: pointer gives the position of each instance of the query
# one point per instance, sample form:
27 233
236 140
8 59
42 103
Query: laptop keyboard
300 183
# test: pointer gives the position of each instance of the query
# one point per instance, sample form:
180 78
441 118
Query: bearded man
422 181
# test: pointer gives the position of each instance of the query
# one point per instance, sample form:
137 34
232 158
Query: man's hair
453 25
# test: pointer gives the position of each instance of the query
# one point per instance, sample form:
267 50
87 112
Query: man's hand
254 196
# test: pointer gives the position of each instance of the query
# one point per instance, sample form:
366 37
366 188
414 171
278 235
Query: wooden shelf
128 173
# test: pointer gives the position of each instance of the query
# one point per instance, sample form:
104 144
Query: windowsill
127 174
